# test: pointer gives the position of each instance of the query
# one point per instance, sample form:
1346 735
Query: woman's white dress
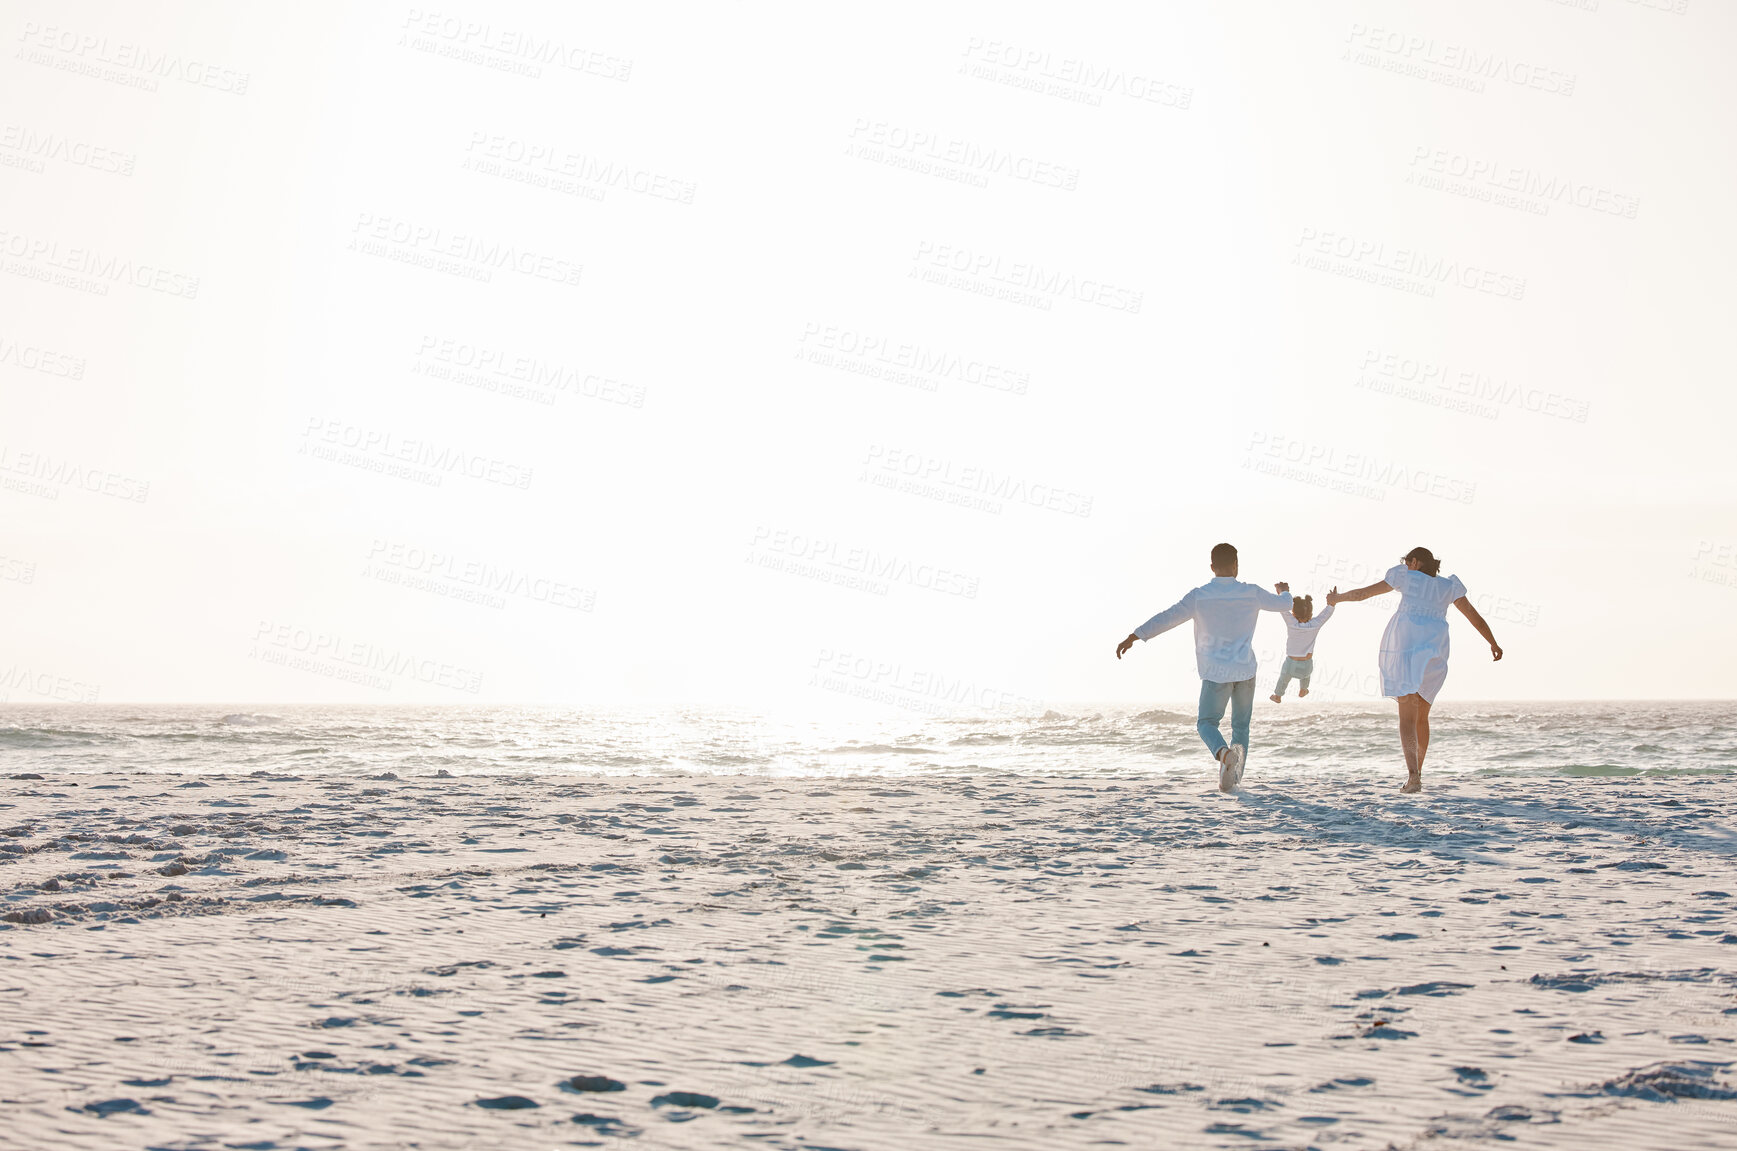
1414 648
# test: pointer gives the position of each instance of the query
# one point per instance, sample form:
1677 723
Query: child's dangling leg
1284 682
1303 684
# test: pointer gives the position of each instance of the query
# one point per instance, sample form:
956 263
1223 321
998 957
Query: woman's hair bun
1426 561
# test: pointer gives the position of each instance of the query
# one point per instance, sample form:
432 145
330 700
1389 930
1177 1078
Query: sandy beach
681 576
266 961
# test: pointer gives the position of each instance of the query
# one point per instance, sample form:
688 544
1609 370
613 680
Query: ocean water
1294 740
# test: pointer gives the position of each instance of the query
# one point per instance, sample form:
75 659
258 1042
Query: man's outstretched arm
1182 610
1276 600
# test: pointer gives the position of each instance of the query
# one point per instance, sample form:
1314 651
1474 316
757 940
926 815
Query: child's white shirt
1300 637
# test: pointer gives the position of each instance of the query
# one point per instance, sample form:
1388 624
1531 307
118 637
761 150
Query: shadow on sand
1479 828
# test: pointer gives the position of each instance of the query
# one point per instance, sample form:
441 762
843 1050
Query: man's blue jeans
1213 697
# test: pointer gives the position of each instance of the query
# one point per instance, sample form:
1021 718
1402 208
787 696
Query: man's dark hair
1223 555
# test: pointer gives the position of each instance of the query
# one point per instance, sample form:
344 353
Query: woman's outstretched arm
1379 587
1471 613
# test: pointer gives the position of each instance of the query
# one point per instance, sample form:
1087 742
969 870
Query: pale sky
720 353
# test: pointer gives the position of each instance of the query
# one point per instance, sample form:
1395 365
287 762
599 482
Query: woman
1414 649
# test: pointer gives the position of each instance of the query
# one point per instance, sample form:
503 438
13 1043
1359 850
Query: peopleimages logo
86 52
1409 269
1068 77
516 375
330 654
1715 561
831 561
1040 283
1510 185
48 685
342 442
35 358
508 49
1392 373
39 147
917 689
90 269
538 163
14 570
899 469
1357 473
1429 58
901 362
936 153
51 474
440 250
429 569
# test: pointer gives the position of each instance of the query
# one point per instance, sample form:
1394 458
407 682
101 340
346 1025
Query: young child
1302 627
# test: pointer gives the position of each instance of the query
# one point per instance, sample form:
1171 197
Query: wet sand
265 962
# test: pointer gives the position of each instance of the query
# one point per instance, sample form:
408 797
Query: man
1224 613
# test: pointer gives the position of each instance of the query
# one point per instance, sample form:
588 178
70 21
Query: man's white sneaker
1230 768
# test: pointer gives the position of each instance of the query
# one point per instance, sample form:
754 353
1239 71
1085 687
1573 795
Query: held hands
1281 587
1333 596
1129 642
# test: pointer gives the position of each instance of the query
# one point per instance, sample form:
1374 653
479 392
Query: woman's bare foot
1413 782
1278 699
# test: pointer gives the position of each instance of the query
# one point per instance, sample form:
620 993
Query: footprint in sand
591 1083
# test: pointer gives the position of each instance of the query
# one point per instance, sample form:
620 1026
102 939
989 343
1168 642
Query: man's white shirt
1224 612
